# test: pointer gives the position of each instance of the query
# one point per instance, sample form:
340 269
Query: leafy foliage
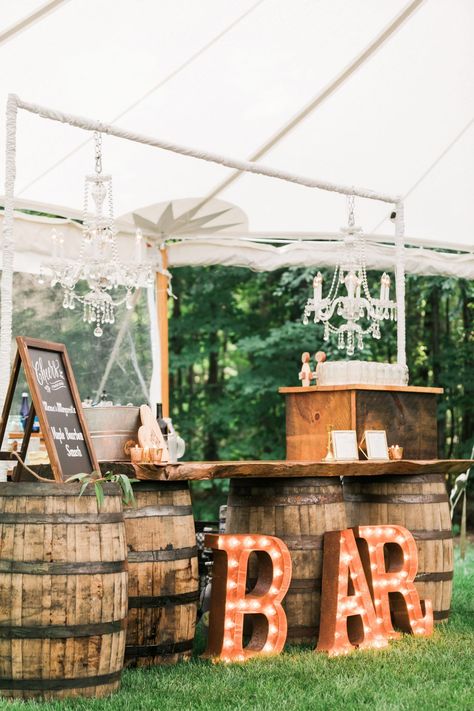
236 336
97 479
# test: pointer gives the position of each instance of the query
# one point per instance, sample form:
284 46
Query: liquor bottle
24 409
160 419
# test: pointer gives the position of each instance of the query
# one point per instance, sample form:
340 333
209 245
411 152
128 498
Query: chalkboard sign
56 401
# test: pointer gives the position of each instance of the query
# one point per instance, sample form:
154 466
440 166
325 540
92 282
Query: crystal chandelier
98 261
357 304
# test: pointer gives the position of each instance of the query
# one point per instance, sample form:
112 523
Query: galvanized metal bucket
113 431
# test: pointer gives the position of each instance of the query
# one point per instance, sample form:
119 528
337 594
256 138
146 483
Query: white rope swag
14 103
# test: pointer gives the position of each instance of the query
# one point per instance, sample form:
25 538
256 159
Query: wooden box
407 414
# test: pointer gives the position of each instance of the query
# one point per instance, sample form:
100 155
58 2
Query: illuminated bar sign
361 567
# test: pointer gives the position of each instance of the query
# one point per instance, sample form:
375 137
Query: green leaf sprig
97 479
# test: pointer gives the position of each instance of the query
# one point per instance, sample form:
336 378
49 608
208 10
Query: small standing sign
56 401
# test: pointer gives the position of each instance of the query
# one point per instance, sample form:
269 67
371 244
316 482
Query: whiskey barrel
163 574
299 511
63 591
420 504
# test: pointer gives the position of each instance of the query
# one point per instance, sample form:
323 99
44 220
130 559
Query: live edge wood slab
196 471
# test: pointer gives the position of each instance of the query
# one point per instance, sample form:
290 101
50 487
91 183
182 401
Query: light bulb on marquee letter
348 616
390 559
230 603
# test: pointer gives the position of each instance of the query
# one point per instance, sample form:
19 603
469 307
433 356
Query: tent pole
8 247
162 312
400 282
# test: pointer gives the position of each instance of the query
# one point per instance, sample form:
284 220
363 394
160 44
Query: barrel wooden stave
61 632
420 504
299 511
163 574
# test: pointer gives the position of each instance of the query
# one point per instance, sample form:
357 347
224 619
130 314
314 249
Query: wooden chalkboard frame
22 357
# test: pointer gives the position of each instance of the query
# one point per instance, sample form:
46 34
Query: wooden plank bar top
196 471
333 388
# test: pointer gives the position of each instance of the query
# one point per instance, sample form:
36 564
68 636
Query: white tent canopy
226 77
358 94
251 250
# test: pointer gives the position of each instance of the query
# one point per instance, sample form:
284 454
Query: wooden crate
408 414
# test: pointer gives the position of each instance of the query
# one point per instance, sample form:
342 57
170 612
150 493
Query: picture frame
344 444
376 447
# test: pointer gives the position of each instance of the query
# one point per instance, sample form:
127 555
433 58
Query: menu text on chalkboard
56 401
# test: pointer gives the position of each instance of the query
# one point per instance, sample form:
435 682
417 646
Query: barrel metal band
161 486
161 556
434 577
42 490
366 498
441 614
156 650
288 483
146 601
432 535
295 631
152 511
297 543
395 479
297 585
302 543
296 500
57 518
59 684
41 567
62 631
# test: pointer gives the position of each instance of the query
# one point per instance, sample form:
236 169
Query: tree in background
237 336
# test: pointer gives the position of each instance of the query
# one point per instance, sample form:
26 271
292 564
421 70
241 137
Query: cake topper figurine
319 359
305 374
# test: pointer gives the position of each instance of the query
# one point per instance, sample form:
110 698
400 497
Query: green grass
412 674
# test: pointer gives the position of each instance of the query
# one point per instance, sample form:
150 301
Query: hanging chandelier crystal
357 304
98 261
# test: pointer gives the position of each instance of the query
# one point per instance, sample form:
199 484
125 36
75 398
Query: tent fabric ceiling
33 250
384 128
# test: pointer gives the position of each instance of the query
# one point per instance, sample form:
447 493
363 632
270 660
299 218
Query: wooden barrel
163 574
63 591
420 504
299 511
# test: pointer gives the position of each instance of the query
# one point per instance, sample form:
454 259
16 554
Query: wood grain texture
420 504
299 511
408 415
362 386
195 471
63 592
275 469
409 420
163 574
308 419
